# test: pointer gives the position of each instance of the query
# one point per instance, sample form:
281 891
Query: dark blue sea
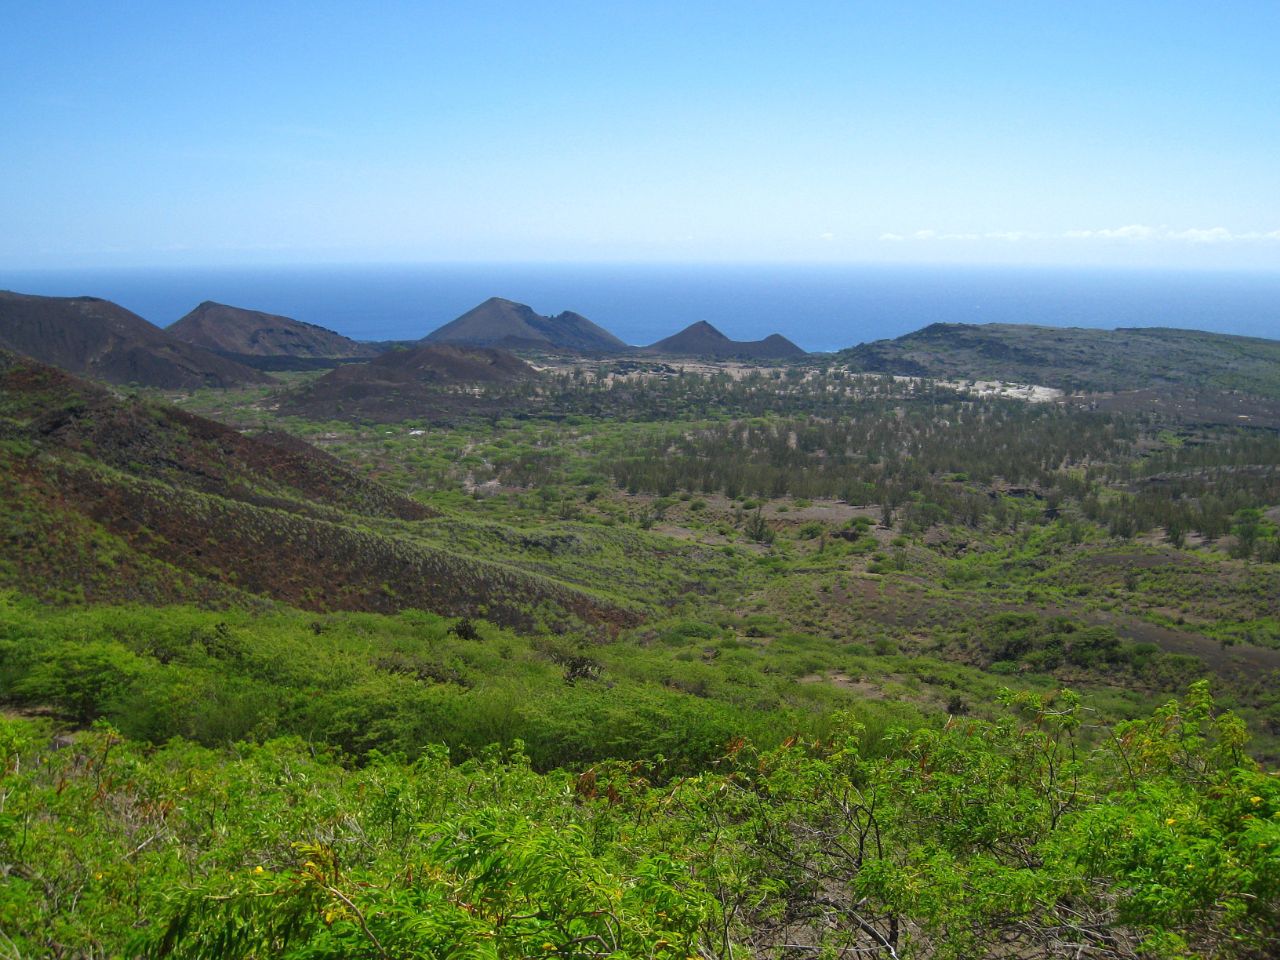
820 307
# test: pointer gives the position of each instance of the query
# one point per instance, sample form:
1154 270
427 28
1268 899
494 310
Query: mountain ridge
498 322
241 332
701 339
96 338
1077 358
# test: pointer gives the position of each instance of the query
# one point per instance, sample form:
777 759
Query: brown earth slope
107 499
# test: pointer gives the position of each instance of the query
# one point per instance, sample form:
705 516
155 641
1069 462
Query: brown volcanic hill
701 339
426 382
110 499
442 363
505 323
99 339
235 330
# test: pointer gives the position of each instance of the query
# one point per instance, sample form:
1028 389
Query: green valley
635 658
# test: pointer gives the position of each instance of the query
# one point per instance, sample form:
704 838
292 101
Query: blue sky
1117 133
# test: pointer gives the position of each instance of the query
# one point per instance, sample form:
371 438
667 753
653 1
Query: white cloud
1190 235
1212 235
1131 233
1134 231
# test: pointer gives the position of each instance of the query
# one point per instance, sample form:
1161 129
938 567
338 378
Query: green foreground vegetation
963 841
772 664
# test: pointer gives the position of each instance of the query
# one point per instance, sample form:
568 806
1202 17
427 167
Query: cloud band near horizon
1132 233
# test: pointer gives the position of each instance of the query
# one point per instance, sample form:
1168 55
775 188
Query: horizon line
1129 268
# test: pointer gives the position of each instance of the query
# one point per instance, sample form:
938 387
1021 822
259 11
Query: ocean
820 307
